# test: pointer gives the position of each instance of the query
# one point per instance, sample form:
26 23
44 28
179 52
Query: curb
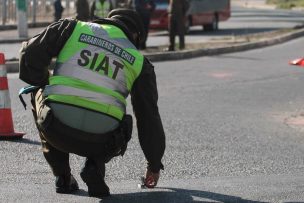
13 66
160 56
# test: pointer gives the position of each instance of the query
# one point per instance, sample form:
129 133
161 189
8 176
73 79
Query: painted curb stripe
2 71
5 102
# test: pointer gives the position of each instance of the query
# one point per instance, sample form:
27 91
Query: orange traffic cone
297 62
6 121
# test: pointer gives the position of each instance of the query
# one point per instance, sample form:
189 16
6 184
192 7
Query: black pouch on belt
127 127
121 137
44 117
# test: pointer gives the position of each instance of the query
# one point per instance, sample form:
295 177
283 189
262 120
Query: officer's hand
151 179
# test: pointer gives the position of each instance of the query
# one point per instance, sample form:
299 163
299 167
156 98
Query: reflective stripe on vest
100 80
95 69
71 91
101 9
5 102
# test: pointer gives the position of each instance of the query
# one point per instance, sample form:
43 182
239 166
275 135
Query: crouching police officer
81 108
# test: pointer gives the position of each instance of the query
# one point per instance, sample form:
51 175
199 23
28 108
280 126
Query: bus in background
207 13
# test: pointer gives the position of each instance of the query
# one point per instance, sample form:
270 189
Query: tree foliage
287 4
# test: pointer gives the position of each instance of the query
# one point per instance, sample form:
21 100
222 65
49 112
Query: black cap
132 21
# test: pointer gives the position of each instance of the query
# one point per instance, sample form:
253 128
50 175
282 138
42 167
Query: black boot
181 42
66 184
169 48
93 176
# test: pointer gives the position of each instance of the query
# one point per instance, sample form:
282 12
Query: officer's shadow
176 195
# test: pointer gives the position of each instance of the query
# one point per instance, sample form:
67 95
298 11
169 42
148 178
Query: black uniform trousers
176 27
58 140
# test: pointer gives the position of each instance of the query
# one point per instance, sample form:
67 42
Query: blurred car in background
207 13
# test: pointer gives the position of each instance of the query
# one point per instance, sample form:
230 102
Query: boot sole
70 190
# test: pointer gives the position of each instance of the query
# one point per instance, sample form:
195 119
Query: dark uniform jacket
144 6
36 56
82 10
178 7
58 9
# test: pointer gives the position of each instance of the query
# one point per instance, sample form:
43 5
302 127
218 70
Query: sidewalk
194 48
12 36
223 48
260 4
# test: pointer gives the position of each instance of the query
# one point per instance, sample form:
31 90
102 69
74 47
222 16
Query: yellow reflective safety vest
95 70
102 9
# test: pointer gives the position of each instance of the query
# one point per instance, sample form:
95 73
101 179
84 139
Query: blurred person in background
101 8
177 17
145 9
123 4
82 10
58 8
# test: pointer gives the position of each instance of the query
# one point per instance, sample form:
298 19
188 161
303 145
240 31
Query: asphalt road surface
234 126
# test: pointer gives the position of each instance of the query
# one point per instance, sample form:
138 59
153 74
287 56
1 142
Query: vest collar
119 24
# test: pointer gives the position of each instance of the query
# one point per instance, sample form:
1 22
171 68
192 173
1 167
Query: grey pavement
261 4
209 189
30 180
13 42
227 140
